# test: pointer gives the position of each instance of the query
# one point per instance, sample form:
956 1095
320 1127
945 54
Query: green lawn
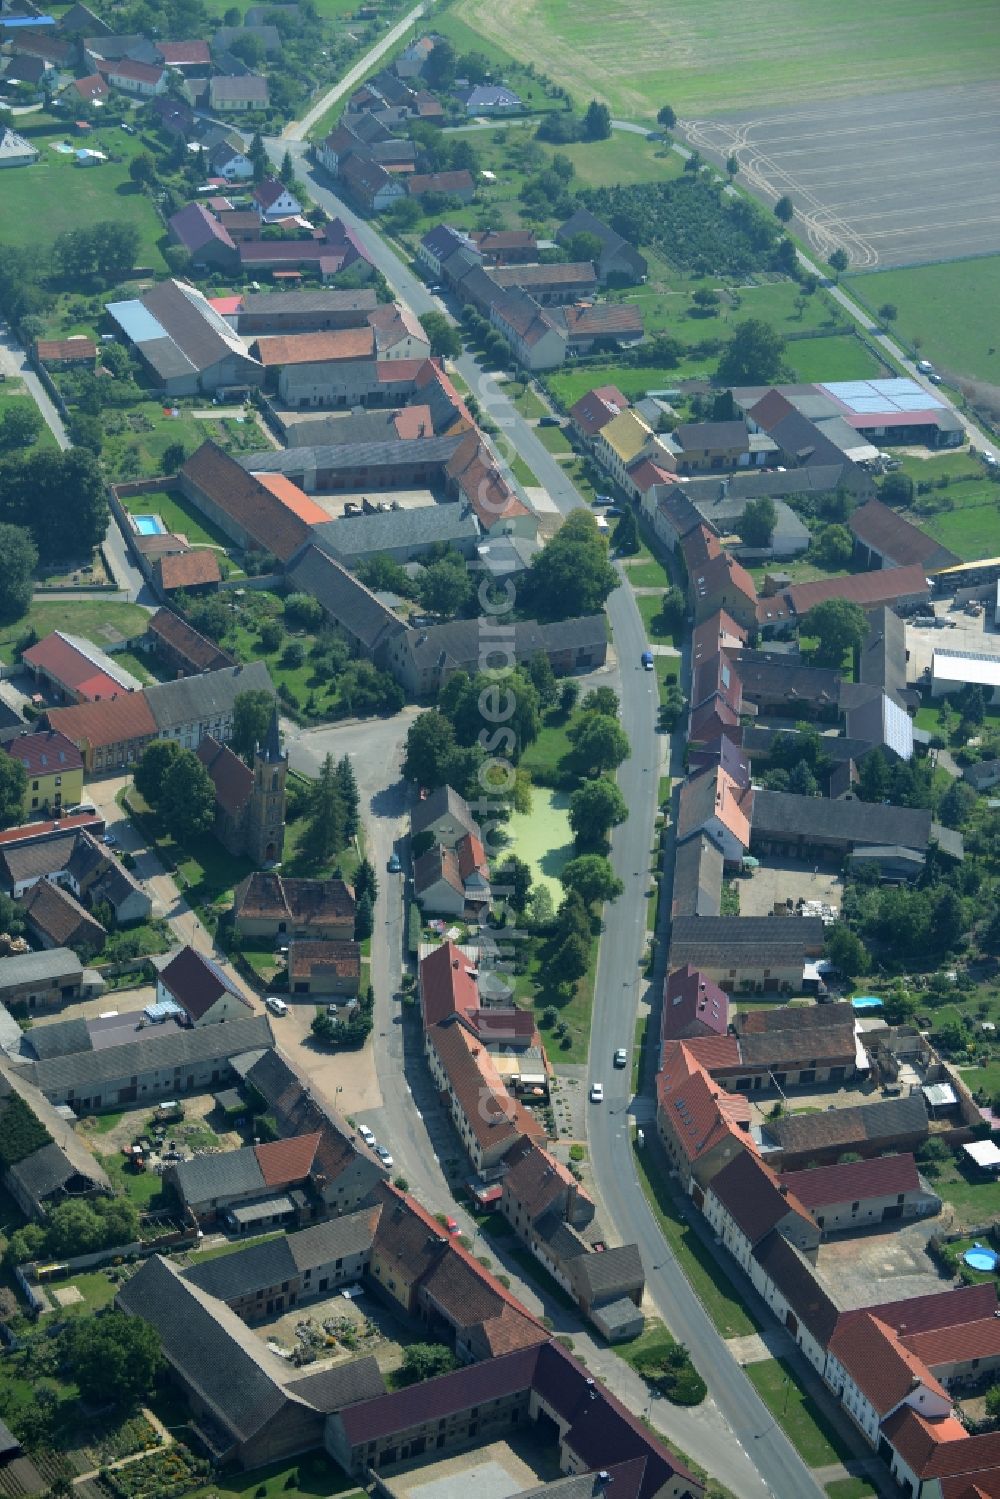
707 1278
554 439
522 473
313 1476
569 385
803 1422
524 398
575 1012
104 621
144 1188
41 201
542 838
841 357
178 515
147 430
648 605
622 158
205 871
970 531
647 572
13 397
850 1488
693 56
666 302
541 760
941 310
95 1288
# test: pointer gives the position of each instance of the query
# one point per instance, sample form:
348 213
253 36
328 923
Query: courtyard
874 1266
495 1471
782 883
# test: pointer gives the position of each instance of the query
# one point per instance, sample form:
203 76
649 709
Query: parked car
367 1134
394 865
109 839
383 1155
276 1005
549 421
924 366
597 1092
451 1224
647 661
621 1057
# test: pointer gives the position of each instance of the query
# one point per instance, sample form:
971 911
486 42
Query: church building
249 803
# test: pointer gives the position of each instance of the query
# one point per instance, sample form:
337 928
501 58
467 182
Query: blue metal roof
31 21
136 322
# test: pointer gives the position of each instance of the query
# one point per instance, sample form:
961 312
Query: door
892 1214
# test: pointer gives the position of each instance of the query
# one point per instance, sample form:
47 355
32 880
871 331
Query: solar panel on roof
917 402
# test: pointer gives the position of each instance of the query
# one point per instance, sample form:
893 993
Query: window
855 1206
900 1199
34 785
58 780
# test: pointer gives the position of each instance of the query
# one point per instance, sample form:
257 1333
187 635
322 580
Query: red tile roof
233 781
54 350
199 653
249 503
493 1116
535 1179
179 54
713 634
295 499
753 1197
915 1438
866 589
317 348
308 959
824 1186
283 1162
957 1345
30 831
188 570
699 1114
447 985
134 72
715 1053
116 720
60 659
882 1367
45 753
692 1001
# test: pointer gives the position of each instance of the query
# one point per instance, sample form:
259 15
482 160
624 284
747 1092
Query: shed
984 1154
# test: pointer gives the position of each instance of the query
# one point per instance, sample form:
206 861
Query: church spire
272 744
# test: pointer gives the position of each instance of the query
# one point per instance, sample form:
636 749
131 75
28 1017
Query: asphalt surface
896 179
299 129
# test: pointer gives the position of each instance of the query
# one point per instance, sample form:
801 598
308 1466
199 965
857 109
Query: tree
839 261
705 298
540 911
896 489
425 1360
443 335
445 586
543 679
784 209
833 547
302 609
366 881
430 742
286 172
753 355
947 921
151 770
20 558
252 712
838 626
381 574
601 700
364 919
568 960
142 169
732 166
599 743
115 247
626 537
347 785
756 525
187 796
888 312
271 634
173 457
59 496
13 785
20 425
596 121
801 780
957 804
594 809
592 877
439 69
568 694
572 575
512 882
666 117
113 1357
584 247
324 835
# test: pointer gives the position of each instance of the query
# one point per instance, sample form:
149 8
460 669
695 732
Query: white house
15 151
272 201
201 989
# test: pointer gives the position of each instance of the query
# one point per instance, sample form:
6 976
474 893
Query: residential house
450 184
700 1125
444 816
273 201
252 1187
785 1279
439 243
711 445
693 1006
713 803
448 985
746 1201
722 583
188 58
748 952
95 876
90 90
370 183
202 235
230 161
592 412
199 987
307 368
56 919
271 905
447 881
35 982
592 326
857 1194
550 285
237 95
180 647
486 1116
422 660
398 333
140 78
324 968
620 262
697 883
111 734
537 340
489 99
53 767
191 708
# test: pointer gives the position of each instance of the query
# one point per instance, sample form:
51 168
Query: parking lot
964 632
782 880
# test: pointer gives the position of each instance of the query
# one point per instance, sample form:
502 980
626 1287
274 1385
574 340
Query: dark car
549 421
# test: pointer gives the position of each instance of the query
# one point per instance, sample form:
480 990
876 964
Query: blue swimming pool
149 525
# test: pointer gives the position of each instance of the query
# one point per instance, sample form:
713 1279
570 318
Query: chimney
783 1189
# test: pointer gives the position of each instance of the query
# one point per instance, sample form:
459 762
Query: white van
275 1005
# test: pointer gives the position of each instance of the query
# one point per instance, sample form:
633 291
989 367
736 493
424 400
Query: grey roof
750 484
892 853
351 455
356 427
231 1173
796 1281
883 651
723 512
155 1050
776 674
338 1238
8 1441
757 741
345 1384
47 1170
782 813
843 1127
210 695
227 1366
60 1039
608 1273
359 536
326 299
245 1271
345 600
31 861
443 801
34 967
458 641
60 1131
697 882
738 941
